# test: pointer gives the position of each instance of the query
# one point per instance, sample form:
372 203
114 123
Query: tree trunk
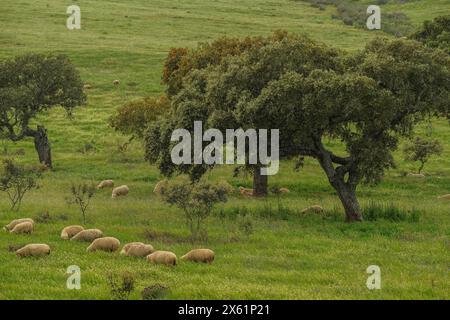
347 195
42 146
259 183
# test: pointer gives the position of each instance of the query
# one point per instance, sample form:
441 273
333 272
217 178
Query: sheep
24 227
70 231
284 190
33 250
105 184
315 208
13 223
116 82
444 197
159 186
109 244
139 250
87 86
416 175
128 246
199 255
246 191
163 257
120 191
87 235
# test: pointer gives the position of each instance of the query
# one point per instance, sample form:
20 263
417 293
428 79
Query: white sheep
106 184
34 250
120 191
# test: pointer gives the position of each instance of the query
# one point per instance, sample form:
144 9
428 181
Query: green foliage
196 200
421 149
310 91
17 180
121 286
81 195
134 117
435 34
33 83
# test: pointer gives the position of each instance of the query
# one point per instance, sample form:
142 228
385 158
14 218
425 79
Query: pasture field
285 255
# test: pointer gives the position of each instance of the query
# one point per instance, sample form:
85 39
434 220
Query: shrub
421 150
17 180
81 195
196 200
121 286
134 117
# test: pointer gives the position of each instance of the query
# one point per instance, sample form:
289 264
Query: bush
121 286
156 291
17 180
81 195
134 117
196 200
421 150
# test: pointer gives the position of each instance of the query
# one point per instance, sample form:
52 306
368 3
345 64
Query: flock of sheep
111 244
100 243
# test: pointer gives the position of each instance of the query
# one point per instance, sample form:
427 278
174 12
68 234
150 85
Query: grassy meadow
285 255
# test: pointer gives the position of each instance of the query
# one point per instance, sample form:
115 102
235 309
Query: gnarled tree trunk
42 145
259 183
347 195
345 190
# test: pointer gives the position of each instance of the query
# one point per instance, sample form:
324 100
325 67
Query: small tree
133 117
30 85
81 195
17 180
196 201
421 150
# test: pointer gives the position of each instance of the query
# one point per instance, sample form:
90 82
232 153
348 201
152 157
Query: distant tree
17 180
420 149
367 100
435 34
30 85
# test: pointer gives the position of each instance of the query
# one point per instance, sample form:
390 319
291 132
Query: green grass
288 256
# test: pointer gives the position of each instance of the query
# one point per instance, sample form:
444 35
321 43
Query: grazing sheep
284 190
33 250
87 235
416 175
159 186
140 250
116 82
444 197
24 227
105 184
13 223
163 257
128 245
315 208
70 231
199 255
87 86
109 244
120 191
246 191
